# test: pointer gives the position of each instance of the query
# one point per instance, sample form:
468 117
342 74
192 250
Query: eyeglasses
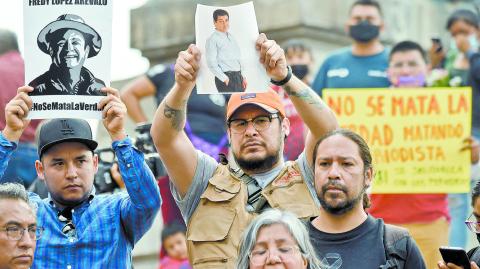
16 233
260 123
473 225
259 256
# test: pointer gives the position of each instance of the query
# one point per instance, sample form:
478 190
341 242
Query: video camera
104 181
144 143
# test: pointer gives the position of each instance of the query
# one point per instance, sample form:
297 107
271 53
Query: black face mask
364 31
299 70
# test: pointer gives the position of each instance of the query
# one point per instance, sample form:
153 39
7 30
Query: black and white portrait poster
226 39
67 56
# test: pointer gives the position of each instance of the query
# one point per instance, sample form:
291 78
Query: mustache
333 185
257 142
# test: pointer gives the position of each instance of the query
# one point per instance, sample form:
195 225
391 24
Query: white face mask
472 39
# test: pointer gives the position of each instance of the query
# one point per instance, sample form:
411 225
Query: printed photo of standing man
224 57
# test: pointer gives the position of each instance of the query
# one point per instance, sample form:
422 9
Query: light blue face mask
472 39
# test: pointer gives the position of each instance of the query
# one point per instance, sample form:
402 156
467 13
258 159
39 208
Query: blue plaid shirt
106 226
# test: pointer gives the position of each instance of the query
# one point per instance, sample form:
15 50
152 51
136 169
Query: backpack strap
471 252
256 201
395 241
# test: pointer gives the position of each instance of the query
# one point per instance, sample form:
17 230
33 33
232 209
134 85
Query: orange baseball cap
270 101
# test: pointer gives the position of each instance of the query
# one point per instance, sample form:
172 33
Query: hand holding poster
415 136
226 39
67 56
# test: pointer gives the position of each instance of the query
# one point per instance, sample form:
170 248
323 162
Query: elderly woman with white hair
276 238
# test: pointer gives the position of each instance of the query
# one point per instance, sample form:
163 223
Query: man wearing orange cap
217 200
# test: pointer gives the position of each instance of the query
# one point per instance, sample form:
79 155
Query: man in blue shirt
223 56
82 229
364 64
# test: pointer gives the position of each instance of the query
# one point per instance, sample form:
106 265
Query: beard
257 165
260 165
342 207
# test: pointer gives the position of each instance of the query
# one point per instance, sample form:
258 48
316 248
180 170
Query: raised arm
16 112
139 208
114 112
175 149
313 111
133 93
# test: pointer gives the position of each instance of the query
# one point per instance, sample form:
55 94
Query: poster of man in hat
67 56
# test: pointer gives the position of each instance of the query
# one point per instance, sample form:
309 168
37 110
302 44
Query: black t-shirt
474 81
205 113
361 247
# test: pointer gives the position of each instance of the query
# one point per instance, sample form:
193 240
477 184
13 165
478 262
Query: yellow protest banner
415 135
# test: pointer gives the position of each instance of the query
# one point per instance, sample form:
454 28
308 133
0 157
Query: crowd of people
252 180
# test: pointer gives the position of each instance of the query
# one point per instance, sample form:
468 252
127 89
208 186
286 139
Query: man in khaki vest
219 200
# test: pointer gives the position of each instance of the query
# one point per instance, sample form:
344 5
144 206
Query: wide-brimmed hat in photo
69 21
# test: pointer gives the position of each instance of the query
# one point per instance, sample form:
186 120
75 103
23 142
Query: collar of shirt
222 33
58 207
263 179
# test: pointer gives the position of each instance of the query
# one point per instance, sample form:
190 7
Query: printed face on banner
226 39
70 50
67 56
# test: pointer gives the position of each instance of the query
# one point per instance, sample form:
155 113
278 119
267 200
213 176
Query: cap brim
269 109
91 144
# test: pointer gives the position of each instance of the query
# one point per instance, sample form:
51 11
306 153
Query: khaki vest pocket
212 223
208 233
211 262
214 194
294 197
301 211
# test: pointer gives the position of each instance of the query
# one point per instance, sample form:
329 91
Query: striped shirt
106 226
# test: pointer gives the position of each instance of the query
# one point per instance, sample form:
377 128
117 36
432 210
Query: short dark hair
405 46
465 15
371 3
363 148
172 229
475 193
220 12
8 41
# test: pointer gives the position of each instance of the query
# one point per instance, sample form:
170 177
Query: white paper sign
67 56
226 39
